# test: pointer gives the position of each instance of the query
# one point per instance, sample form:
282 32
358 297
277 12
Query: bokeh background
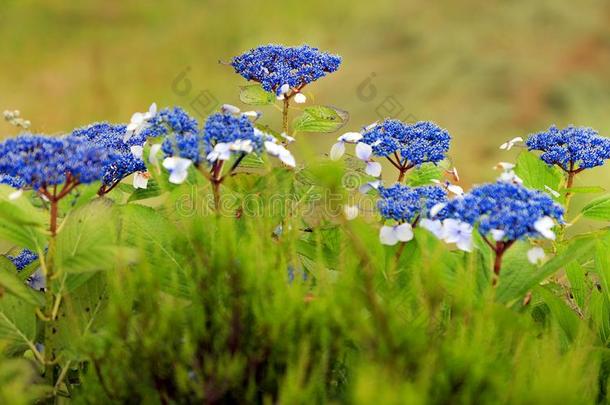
487 70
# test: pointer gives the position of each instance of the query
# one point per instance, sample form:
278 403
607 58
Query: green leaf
86 240
17 323
21 223
598 209
514 285
566 318
320 119
13 285
577 279
537 174
254 94
424 175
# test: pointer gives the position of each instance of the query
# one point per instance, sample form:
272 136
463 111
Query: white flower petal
178 168
434 226
285 88
287 158
337 150
373 169
350 211
387 236
497 234
535 255
229 109
288 138
404 232
364 151
15 195
371 185
350 137
455 189
137 151
140 180
504 166
300 98
544 226
436 208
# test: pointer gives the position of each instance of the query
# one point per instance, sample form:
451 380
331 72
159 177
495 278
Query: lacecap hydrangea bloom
404 145
405 206
282 69
573 148
40 161
503 213
224 135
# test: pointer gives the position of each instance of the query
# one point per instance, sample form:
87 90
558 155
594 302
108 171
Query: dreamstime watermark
203 102
321 202
386 106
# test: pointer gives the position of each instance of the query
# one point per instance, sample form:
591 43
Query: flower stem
285 115
50 329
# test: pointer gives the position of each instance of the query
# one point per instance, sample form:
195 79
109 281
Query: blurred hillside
485 70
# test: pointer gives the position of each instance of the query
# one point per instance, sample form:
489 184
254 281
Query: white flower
510 176
350 211
434 226
436 208
504 166
15 195
152 155
140 179
458 232
551 191
300 98
242 145
535 255
221 151
178 168
544 226
229 108
252 114
139 122
391 235
455 189
509 144
338 149
371 185
364 152
452 188
137 151
285 88
289 139
497 234
371 126
280 152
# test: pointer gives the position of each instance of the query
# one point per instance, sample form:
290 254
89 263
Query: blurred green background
485 70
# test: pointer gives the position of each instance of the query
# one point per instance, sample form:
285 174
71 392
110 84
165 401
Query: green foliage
320 119
254 94
537 174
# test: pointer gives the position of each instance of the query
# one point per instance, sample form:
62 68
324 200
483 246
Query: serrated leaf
17 323
424 175
254 94
320 119
13 285
537 174
598 209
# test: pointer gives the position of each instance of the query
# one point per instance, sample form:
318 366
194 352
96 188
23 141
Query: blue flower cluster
417 143
405 204
507 207
14 182
227 128
275 65
170 120
23 259
38 161
571 148
111 137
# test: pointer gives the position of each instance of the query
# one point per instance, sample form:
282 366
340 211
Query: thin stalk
285 115
50 329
